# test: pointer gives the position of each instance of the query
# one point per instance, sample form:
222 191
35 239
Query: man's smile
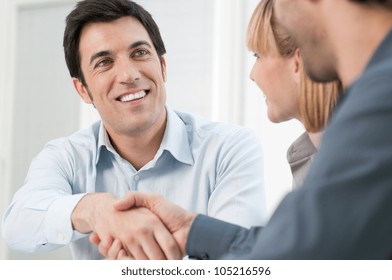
133 96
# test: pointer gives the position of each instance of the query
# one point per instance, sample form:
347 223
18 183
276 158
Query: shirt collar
175 140
300 149
103 141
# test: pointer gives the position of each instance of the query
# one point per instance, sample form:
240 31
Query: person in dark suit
344 209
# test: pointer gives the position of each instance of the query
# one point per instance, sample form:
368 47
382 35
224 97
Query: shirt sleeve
343 210
239 195
207 232
39 216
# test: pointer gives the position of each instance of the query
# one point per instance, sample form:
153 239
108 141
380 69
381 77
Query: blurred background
208 74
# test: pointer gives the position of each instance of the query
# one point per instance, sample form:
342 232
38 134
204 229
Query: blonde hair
267 36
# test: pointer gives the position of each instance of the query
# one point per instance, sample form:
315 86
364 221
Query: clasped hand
152 228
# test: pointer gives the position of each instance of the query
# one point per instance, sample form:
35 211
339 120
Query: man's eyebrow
97 55
139 43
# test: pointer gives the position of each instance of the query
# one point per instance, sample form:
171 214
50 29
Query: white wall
208 69
3 113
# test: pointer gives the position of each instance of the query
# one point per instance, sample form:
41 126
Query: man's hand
115 251
140 233
177 220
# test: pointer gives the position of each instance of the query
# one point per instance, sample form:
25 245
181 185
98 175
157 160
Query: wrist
89 209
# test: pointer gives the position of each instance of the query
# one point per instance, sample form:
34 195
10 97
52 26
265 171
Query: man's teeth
133 96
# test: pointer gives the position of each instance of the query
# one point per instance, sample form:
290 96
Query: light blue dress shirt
211 168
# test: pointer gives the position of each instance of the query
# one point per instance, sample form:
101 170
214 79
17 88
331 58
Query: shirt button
137 177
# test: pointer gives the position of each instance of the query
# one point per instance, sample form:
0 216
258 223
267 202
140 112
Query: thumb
126 202
133 199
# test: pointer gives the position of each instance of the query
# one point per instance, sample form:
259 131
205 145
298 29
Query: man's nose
127 71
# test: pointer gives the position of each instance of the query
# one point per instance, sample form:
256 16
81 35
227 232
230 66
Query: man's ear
82 90
163 65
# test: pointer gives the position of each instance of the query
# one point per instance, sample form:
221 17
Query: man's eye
139 53
103 63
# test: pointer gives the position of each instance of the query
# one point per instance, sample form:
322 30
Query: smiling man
124 77
114 53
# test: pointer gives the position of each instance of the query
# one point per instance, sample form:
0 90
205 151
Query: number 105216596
233 270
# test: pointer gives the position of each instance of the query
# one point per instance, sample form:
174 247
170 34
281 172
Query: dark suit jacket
344 209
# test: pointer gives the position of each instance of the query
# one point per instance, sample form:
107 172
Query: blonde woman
290 94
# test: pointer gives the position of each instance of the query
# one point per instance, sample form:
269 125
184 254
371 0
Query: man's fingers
103 243
103 250
143 244
151 238
168 244
114 250
153 250
106 241
136 251
94 238
122 255
159 244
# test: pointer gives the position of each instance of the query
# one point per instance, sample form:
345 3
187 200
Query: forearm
39 221
209 238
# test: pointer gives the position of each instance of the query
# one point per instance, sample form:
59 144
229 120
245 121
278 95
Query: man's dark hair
370 1
92 11
387 3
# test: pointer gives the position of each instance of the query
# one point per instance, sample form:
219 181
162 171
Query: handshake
138 226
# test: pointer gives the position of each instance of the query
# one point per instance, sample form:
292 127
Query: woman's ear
82 91
297 64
